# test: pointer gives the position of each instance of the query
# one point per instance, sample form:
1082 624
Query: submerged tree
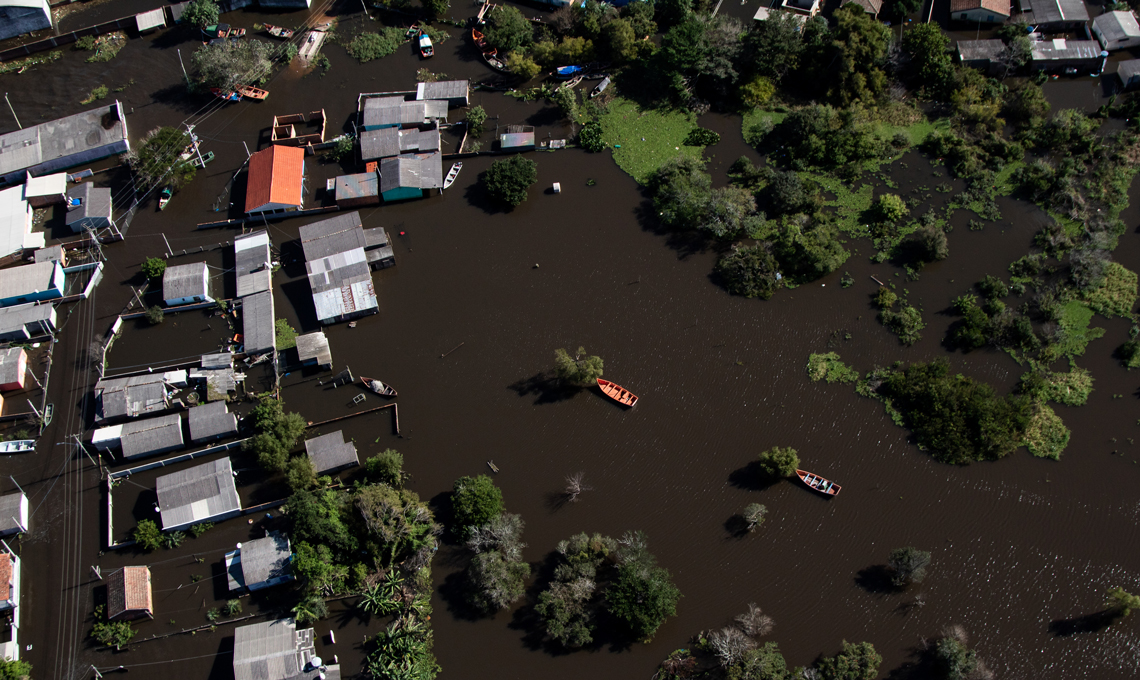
158 159
229 64
475 501
855 662
754 514
507 180
497 572
779 462
1121 602
581 370
642 594
909 565
200 13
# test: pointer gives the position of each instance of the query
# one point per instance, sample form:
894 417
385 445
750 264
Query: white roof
155 18
47 185
16 223
26 3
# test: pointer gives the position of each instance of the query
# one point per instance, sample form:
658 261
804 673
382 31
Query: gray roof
265 558
330 452
314 346
212 420
1066 50
197 494
134 396
258 323
94 202
1054 11
979 50
70 136
217 361
16 318
335 235
29 278
151 436
387 142
397 111
444 89
10 365
375 238
274 650
421 172
1116 27
185 280
50 254
251 262
871 6
341 284
359 185
12 511
1127 70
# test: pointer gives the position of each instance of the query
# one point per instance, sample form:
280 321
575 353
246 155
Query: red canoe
818 483
618 393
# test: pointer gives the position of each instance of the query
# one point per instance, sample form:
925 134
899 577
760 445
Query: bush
153 267
928 244
232 608
581 370
15 670
828 367
1121 602
311 609
344 149
777 463
749 271
385 467
148 535
590 138
158 159
906 323
115 634
200 528
286 334
909 565
368 46
475 501
855 662
890 208
476 117
757 91
885 298
227 65
507 180
953 660
754 514
701 137
200 13
155 315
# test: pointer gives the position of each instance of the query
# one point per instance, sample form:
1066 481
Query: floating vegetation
828 367
426 76
96 94
107 46
24 64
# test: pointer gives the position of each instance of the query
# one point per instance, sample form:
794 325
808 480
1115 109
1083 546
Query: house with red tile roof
9 581
275 180
129 594
980 11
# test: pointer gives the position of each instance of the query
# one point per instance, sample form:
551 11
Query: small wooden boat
494 468
279 31
426 49
201 162
600 88
23 446
228 96
618 393
236 33
378 387
164 198
452 174
411 32
570 84
216 30
49 413
824 486
252 92
477 37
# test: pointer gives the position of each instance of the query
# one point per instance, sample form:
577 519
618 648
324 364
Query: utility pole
169 250
16 483
13 111
194 141
99 463
185 75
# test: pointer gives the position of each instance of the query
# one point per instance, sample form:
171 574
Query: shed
148 21
984 55
258 323
331 236
454 92
54 253
13 514
151 436
129 594
378 248
1064 54
9 580
186 284
130 397
382 112
212 421
203 493
342 286
358 190
13 368
46 190
59 144
18 17
16 222
27 321
88 207
252 263
1116 30
275 180
276 650
260 563
980 11
391 141
31 283
1053 15
313 349
1129 73
331 453
517 138
407 176
872 7
177 9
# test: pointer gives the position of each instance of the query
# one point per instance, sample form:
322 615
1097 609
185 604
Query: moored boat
252 92
228 96
378 387
164 198
567 71
452 174
201 162
426 49
601 87
618 393
279 31
817 483
411 32
17 446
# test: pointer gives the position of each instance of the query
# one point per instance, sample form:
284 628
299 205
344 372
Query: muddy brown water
1018 545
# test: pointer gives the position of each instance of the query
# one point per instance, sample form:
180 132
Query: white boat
18 446
452 174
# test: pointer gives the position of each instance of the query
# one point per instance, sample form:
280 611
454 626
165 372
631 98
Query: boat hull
452 174
379 387
818 484
617 393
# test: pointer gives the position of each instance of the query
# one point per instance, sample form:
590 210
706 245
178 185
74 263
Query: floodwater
1020 546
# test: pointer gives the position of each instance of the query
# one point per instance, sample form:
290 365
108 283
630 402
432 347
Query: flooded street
1018 545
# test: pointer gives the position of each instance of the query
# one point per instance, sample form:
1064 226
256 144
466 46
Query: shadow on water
736 526
876 579
547 389
751 477
1089 623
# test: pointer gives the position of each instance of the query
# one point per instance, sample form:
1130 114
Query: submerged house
1060 54
330 453
252 263
454 92
1116 30
338 270
407 176
18 17
361 189
391 141
130 397
186 284
984 55
129 594
980 11
13 514
258 323
313 350
212 421
384 112
378 248
27 321
13 368
88 207
142 438
31 283
63 143
517 138
276 650
203 493
275 180
260 563
1129 73
1053 16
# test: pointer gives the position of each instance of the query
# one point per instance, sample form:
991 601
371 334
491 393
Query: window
964 16
990 18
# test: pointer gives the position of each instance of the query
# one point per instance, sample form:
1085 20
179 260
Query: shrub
96 94
368 46
476 117
749 271
953 660
581 370
300 473
906 323
757 91
928 244
885 298
590 138
890 208
311 609
344 149
212 615
15 670
201 528
286 334
148 535
173 539
909 565
155 315
701 137
828 367
507 180
855 662
153 267
475 501
754 514
778 463
200 13
232 608
385 467
115 634
1121 602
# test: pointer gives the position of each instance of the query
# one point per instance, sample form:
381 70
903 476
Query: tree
1026 104
885 298
754 514
565 612
763 663
778 463
642 597
507 180
855 662
475 501
386 467
581 370
953 660
930 65
928 244
1121 602
901 8
148 535
640 18
619 41
310 609
909 565
729 645
508 30
809 247
368 46
153 267
522 66
157 159
566 99
859 45
201 13
277 433
229 64
754 622
497 582
590 137
476 117
890 208
15 670
435 8
300 473
775 46
750 271
757 91
155 315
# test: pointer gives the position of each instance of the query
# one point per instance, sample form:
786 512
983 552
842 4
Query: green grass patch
828 367
1071 389
643 141
1074 321
1046 435
1003 180
286 335
1117 296
915 132
758 115
851 200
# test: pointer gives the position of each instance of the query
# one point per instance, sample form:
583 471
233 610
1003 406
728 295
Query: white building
186 284
1116 30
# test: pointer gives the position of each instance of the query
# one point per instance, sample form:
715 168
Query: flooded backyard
1020 546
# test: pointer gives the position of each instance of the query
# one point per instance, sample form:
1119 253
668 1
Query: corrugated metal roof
12 361
17 317
388 142
444 89
217 360
1117 26
974 50
266 558
275 177
334 235
197 494
272 650
251 263
129 590
1129 69
61 138
1062 50
151 436
132 397
94 202
418 172
375 238
155 18
13 512
397 111
1001 7
330 452
361 185
314 346
258 323
212 420
1054 11
185 281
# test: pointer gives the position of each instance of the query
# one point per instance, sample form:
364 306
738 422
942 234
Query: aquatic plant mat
643 141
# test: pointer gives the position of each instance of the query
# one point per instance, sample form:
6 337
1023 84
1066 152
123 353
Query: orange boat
252 92
818 483
618 393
